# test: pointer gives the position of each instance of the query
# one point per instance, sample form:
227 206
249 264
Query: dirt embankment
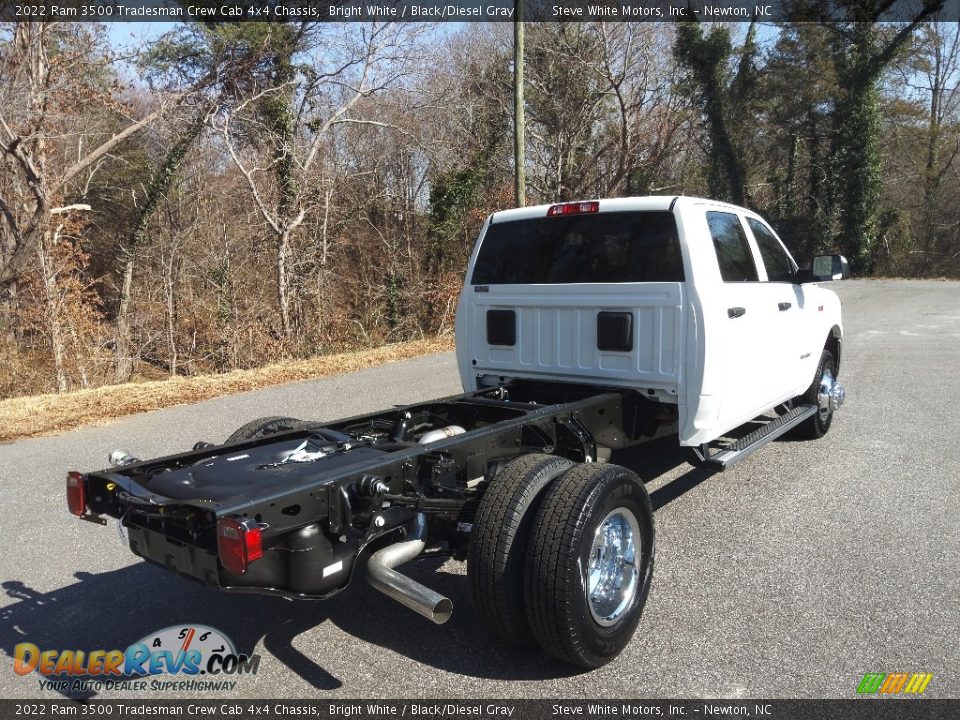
37 415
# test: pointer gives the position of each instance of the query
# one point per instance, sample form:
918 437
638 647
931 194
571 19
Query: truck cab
690 302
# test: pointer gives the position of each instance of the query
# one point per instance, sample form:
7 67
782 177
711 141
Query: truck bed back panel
556 332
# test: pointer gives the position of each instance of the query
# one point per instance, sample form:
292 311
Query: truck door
749 361
784 306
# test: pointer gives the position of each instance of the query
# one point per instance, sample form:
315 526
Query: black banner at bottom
858 709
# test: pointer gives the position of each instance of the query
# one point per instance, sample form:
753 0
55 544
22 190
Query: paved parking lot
791 575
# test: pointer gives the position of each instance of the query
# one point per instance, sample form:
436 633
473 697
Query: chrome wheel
830 395
612 573
594 535
823 394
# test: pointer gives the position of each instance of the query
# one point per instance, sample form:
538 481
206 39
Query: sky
134 34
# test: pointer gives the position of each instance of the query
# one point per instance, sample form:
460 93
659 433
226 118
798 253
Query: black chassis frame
330 519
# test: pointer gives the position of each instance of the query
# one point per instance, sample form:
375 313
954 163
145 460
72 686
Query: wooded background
233 195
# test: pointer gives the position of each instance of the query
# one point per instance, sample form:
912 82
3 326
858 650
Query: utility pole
520 180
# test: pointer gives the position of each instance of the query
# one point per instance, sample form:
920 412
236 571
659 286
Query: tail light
239 543
574 208
76 493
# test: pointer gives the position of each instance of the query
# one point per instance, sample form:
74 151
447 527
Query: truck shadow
114 609
653 459
461 646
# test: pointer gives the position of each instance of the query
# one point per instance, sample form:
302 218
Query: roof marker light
574 208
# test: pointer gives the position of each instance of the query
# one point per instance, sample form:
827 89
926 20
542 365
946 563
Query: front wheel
589 564
824 392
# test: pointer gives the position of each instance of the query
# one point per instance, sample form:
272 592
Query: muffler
419 598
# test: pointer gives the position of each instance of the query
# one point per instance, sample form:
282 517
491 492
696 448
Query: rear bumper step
730 455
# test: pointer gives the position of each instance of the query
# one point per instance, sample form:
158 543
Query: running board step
731 454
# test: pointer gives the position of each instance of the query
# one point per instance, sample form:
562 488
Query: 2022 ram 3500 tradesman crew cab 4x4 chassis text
582 328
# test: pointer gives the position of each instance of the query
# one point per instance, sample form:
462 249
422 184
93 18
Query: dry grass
25 417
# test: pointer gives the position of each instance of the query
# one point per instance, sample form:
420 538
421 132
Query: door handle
736 312
784 306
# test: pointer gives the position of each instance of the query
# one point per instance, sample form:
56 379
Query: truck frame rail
323 495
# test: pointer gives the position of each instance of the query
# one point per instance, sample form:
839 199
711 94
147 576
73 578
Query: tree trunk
283 288
857 162
726 173
816 200
8 305
169 287
931 176
157 188
789 207
48 273
325 243
856 171
124 343
81 364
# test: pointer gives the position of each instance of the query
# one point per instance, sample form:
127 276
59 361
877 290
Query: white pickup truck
583 328
692 302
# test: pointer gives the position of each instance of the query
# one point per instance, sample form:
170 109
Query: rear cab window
611 247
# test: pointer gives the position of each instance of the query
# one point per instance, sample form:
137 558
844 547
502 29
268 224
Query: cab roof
647 202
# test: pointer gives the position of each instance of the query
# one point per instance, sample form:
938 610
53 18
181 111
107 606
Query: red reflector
239 543
76 493
574 208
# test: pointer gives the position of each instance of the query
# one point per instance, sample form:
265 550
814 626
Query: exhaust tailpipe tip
442 611
407 591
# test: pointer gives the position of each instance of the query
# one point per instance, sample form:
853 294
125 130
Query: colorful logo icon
894 683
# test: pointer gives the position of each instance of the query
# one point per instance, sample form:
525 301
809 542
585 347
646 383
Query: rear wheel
264 426
501 529
589 564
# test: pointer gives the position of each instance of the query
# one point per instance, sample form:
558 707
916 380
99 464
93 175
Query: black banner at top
478 10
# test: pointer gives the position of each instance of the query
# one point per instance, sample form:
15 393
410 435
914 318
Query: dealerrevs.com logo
188 651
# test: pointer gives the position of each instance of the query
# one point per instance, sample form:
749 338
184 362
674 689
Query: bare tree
923 119
351 62
47 71
939 68
604 113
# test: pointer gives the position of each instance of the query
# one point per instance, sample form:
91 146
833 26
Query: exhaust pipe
381 575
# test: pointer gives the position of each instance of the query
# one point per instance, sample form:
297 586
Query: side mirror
824 268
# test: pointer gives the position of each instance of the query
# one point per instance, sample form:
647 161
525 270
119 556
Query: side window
733 250
778 264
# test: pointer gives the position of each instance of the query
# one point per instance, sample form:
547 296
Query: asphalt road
792 575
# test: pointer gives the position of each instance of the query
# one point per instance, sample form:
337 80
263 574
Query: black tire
264 426
564 620
498 542
818 425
